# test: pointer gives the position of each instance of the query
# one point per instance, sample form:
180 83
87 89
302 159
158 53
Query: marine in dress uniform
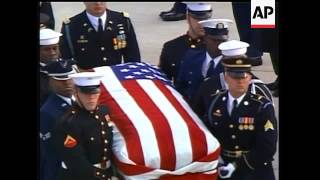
198 64
113 43
49 52
213 84
174 50
56 104
83 136
245 125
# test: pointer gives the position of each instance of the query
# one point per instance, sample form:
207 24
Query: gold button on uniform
102 48
231 126
82 49
96 116
236 147
104 58
103 132
233 136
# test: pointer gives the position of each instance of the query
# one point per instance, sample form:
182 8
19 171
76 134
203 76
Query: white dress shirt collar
95 20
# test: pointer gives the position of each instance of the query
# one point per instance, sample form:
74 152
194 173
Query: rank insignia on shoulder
268 126
45 136
125 14
66 20
70 142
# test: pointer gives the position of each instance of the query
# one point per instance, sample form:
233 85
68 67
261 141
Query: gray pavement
152 32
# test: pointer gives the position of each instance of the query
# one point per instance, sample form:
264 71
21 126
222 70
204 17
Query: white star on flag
124 70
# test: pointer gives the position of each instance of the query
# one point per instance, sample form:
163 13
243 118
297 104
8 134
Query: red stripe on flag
124 125
197 137
130 169
159 122
211 157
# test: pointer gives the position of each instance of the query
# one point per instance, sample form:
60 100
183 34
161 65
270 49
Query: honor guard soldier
49 52
56 104
99 37
213 84
245 125
83 136
197 64
173 50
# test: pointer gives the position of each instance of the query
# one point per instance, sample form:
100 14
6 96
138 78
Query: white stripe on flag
195 167
179 129
212 142
119 146
129 106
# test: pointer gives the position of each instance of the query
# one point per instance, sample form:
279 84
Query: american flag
156 134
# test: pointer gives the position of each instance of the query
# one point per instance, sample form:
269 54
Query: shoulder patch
66 20
125 14
70 142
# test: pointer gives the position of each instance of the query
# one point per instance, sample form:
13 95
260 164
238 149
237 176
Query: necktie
210 69
234 106
100 29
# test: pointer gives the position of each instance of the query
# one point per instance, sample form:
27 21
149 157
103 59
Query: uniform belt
233 154
98 165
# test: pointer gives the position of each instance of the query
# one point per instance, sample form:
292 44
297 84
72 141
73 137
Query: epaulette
66 21
125 14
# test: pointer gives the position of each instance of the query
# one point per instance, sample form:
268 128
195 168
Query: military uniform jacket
92 49
83 140
172 53
52 109
190 74
252 129
213 84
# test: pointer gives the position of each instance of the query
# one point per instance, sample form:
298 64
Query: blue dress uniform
191 73
92 49
52 109
83 139
248 137
174 50
214 84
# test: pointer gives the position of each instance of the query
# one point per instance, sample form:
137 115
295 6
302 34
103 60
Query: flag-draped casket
156 134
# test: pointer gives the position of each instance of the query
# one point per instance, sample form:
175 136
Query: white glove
226 171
